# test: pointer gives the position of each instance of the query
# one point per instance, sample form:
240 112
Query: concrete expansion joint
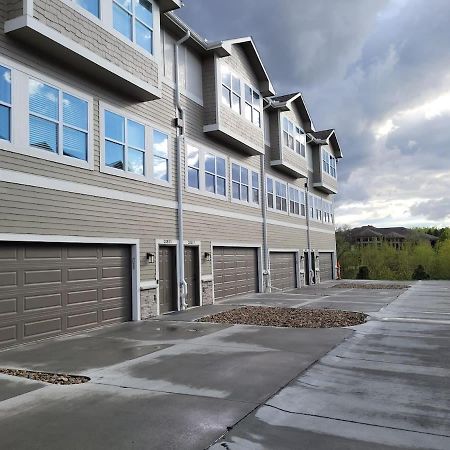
319 416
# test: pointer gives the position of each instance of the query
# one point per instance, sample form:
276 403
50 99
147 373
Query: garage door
235 271
326 266
50 289
283 270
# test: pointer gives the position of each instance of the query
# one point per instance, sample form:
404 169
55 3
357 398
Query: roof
284 103
330 136
368 232
391 233
394 235
323 134
169 5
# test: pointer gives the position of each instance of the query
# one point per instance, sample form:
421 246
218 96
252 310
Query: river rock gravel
287 317
53 378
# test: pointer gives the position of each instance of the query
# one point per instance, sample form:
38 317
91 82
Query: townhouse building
145 170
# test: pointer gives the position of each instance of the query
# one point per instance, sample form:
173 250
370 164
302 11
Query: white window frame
148 158
301 201
8 105
275 195
20 132
106 22
250 184
202 151
252 105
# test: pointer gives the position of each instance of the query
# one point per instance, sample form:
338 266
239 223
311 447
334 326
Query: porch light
207 256
150 258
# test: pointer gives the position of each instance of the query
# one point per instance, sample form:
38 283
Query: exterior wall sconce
150 258
207 256
302 257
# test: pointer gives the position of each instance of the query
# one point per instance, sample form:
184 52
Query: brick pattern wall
85 32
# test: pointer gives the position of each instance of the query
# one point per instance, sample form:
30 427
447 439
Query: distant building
395 236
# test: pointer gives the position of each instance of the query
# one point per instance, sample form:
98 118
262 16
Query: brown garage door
326 266
49 289
283 270
235 271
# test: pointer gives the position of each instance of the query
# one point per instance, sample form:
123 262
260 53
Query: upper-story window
245 184
315 207
294 137
131 148
328 216
134 19
93 6
215 174
252 105
276 195
328 163
297 204
5 103
193 163
231 91
58 121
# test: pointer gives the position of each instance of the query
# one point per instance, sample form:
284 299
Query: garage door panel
326 266
283 270
45 296
235 271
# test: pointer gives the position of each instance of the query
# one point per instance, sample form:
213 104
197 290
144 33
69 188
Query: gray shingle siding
72 24
14 8
209 91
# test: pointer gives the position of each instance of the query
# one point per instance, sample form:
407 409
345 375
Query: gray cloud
359 63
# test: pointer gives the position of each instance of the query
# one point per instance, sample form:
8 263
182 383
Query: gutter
179 123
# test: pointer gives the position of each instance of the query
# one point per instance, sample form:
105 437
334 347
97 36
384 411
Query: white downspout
308 235
266 272
179 123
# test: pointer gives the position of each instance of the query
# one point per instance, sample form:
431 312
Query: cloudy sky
378 71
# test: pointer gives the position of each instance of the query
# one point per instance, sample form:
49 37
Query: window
311 206
90 5
297 202
134 19
215 174
328 216
280 196
244 184
252 106
193 164
160 156
5 103
294 137
328 163
124 144
231 90
270 194
58 121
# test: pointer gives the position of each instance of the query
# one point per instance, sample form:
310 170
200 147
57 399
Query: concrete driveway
174 383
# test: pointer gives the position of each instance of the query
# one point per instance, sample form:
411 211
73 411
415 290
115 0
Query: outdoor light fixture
150 258
207 256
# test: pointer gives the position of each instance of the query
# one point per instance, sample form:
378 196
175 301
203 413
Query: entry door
307 280
191 275
167 279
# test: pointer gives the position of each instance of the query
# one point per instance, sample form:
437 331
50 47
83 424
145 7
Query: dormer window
231 91
328 163
294 137
93 6
252 106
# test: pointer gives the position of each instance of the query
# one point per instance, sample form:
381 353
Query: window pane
43 99
244 175
220 163
270 200
248 94
285 124
125 3
244 192
210 183
193 159
122 21
43 134
136 134
210 163
236 85
114 126
144 37
160 168
144 12
256 117
269 185
221 189
5 123
255 99
135 161
114 155
255 196
75 143
5 85
75 112
193 178
235 172
236 191
255 180
248 112
89 5
226 77
226 96
236 103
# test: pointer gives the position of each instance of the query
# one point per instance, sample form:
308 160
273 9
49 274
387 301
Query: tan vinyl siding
14 8
72 24
281 237
209 91
28 210
329 181
295 160
322 241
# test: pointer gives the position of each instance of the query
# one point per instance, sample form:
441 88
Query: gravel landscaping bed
53 378
370 286
287 317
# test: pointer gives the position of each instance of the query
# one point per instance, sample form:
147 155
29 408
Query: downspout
308 236
179 123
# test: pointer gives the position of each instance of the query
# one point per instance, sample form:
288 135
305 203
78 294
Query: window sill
134 176
206 194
